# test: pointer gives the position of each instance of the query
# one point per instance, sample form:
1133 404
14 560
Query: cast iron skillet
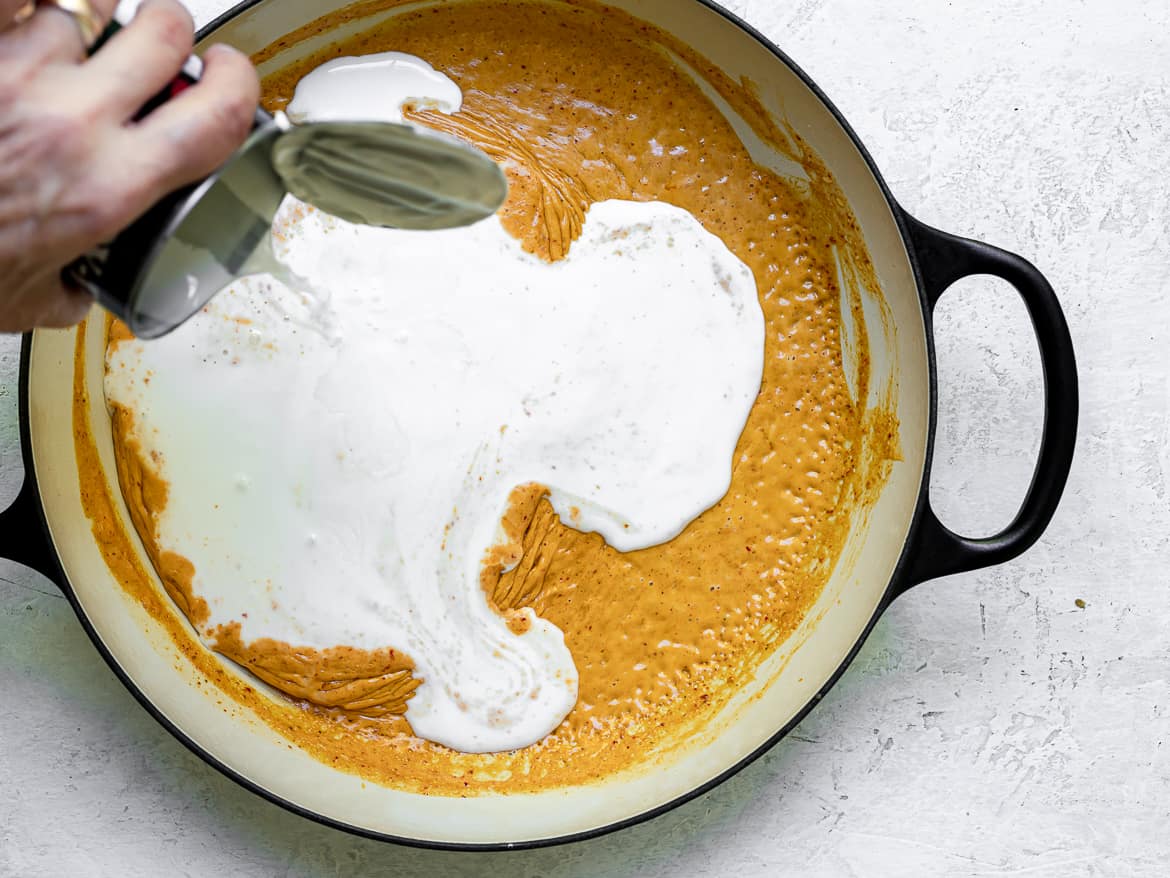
938 259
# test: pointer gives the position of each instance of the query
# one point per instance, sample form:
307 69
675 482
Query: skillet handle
24 538
934 549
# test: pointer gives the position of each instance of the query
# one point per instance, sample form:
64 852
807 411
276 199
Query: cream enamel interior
787 682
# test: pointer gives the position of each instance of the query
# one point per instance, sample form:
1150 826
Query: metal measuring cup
164 267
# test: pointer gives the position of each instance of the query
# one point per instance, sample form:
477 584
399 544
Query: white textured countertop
989 726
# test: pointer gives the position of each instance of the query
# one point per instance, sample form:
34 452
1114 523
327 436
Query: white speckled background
989 727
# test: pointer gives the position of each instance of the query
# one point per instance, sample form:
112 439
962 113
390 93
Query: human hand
75 166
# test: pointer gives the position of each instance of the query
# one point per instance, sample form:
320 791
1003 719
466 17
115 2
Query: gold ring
88 20
24 13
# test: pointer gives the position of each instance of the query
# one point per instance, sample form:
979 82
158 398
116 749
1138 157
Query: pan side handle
24 536
934 549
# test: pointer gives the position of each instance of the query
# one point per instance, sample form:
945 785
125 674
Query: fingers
63 305
53 35
195 132
143 57
45 301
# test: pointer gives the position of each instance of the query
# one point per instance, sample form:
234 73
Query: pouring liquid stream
320 318
384 174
